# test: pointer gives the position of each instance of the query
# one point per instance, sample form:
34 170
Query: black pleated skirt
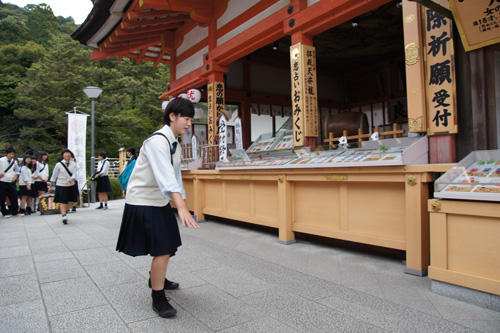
41 186
24 192
148 230
103 184
65 194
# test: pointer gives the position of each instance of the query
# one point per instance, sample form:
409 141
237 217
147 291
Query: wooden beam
160 55
141 55
146 30
325 15
245 16
145 14
180 5
163 36
262 33
113 52
155 21
192 50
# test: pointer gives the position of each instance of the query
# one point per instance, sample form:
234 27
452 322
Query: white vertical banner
223 139
238 133
77 133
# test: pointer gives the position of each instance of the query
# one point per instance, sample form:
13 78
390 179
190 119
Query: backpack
125 175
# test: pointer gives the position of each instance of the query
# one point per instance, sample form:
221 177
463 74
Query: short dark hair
10 150
132 150
102 153
67 151
178 106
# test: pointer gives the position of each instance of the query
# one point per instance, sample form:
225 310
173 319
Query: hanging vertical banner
238 133
439 74
414 61
297 95
210 105
77 133
223 139
478 22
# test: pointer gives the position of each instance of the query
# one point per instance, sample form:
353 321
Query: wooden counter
382 206
465 244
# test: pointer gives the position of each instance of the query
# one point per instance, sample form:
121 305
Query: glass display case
277 152
476 177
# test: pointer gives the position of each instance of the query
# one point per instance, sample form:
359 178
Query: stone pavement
69 278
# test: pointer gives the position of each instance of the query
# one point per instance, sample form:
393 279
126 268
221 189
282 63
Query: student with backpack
128 168
149 226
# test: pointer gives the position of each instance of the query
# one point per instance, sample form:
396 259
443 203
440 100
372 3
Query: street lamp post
92 93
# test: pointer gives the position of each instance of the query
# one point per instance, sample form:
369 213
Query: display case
277 152
476 177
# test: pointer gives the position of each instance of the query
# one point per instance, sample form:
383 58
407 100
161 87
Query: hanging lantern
194 95
164 104
183 95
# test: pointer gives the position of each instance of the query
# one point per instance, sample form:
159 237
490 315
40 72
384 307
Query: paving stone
28 317
97 319
71 295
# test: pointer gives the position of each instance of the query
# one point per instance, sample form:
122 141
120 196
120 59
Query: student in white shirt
26 188
42 173
102 179
149 226
9 170
64 175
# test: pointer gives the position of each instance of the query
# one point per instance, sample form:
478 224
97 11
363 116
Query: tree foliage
43 77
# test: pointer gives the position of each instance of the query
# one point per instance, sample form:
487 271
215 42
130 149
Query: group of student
32 176
149 226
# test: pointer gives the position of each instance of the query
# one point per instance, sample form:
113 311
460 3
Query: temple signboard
478 22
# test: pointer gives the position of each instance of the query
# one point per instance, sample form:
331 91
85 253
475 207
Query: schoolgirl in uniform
149 225
132 155
9 171
42 173
102 179
26 185
64 176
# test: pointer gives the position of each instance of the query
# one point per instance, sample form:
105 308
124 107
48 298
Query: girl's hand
187 219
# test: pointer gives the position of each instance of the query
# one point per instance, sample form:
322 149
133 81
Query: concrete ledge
476 297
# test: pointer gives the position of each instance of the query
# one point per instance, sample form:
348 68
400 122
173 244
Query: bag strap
67 170
44 165
102 166
10 166
169 146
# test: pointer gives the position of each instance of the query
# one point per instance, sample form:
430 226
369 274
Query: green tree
51 87
12 31
14 61
127 111
41 23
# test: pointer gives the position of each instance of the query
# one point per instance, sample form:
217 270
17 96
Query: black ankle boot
168 285
28 211
161 305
